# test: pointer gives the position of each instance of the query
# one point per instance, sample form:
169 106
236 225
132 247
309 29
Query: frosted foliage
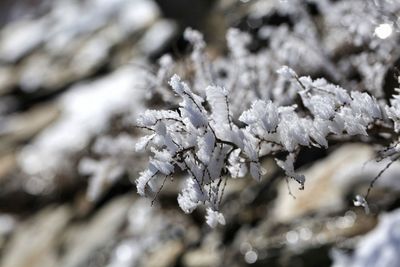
237 43
204 141
319 106
214 218
246 75
256 171
235 108
393 111
237 167
288 166
263 115
218 99
287 73
324 47
191 103
191 196
361 18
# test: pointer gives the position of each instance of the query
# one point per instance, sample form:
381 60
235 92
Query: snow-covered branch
201 138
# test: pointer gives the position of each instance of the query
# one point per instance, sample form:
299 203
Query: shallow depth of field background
73 77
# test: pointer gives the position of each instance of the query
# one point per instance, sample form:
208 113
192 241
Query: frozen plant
325 46
202 139
226 113
248 76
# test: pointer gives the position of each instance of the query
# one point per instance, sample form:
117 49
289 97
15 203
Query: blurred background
74 74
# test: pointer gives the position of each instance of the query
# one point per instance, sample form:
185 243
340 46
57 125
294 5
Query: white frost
213 218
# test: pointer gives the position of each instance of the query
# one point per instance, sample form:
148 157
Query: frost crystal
213 136
213 218
191 196
287 73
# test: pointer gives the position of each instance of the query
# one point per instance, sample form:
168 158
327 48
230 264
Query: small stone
33 242
165 256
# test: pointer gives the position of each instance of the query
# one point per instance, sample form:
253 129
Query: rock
39 240
302 243
92 55
165 256
329 180
64 45
8 224
378 248
7 79
86 110
157 37
23 126
19 38
137 15
201 258
34 72
8 163
208 255
33 242
83 239
150 237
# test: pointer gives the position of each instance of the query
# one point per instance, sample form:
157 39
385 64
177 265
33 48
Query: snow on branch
201 139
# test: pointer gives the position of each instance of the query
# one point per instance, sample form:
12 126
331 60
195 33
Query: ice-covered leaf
213 218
